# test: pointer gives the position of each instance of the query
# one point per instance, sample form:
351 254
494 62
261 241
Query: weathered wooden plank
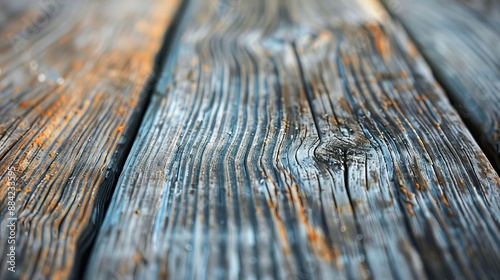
486 10
460 40
303 139
72 91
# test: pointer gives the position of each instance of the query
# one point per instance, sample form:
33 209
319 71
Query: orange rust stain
77 65
38 141
24 103
120 128
318 242
409 206
485 169
421 143
320 246
412 51
53 108
407 193
446 203
137 257
281 228
205 68
46 270
381 41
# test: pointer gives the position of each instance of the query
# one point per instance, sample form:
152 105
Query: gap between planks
72 96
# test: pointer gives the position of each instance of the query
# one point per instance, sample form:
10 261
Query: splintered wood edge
460 42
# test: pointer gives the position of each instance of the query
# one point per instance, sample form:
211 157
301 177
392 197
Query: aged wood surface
301 139
461 40
72 90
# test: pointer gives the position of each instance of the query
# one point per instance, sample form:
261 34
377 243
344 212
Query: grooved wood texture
461 40
72 89
302 139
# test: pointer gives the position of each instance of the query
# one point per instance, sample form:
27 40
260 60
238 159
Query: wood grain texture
303 139
73 78
487 11
461 39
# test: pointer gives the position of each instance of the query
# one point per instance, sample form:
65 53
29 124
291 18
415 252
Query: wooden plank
72 91
460 40
300 139
486 10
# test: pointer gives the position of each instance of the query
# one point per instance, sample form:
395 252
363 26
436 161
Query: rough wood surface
72 90
461 40
302 139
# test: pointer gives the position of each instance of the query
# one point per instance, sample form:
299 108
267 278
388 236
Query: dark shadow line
105 192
